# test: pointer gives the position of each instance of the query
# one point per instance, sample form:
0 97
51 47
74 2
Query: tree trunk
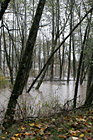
0 54
24 67
70 40
7 58
41 79
4 6
74 59
79 68
52 60
89 92
62 65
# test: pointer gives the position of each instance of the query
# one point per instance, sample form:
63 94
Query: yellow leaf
82 135
32 124
13 138
16 135
46 126
22 128
74 133
61 136
38 125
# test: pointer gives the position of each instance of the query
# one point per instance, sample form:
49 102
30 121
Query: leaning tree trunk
79 68
24 67
70 41
41 79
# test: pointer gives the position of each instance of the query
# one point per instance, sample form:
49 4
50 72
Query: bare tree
50 57
24 68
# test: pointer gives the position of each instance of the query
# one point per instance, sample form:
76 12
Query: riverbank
72 125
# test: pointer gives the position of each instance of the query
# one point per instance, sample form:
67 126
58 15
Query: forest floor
72 125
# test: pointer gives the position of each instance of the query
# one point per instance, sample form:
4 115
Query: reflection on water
48 94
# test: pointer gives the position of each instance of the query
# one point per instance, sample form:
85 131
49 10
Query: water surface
50 94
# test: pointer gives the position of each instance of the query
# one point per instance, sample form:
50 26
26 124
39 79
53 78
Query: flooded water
43 101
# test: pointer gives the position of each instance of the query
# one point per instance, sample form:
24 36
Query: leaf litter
72 125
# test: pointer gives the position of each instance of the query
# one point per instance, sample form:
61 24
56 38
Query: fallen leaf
88 137
38 138
3 137
45 137
6 133
36 130
59 129
71 120
74 138
61 136
48 133
38 125
82 135
86 123
74 133
42 129
27 134
16 135
41 132
46 126
13 138
22 128
32 124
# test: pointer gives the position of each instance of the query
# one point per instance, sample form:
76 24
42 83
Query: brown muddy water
48 99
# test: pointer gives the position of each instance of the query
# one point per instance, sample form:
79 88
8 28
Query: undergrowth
3 81
66 125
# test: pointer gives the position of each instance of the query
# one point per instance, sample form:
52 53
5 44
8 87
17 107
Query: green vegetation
3 81
72 125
